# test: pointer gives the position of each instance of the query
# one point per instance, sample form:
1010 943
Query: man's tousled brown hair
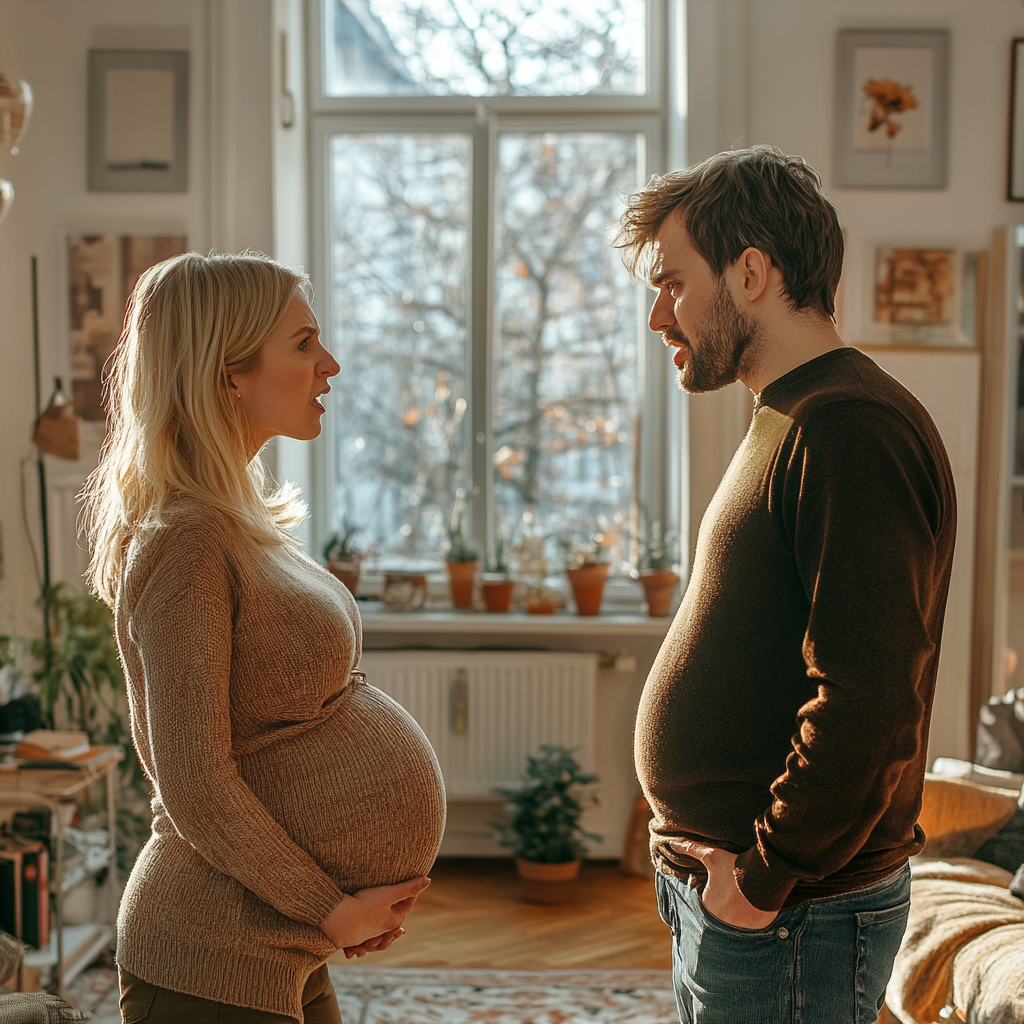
757 198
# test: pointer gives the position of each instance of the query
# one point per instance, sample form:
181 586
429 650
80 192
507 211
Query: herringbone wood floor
472 916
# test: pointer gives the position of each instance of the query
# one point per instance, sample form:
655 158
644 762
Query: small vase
659 586
588 587
347 572
460 579
498 594
548 883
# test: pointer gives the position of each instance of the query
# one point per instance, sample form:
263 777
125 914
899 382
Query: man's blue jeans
822 962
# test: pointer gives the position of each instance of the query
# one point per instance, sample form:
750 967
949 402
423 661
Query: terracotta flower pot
548 883
498 594
659 586
347 572
460 578
588 587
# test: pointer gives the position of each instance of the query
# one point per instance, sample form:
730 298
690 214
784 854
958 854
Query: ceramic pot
548 883
498 594
659 586
347 572
404 591
460 579
588 587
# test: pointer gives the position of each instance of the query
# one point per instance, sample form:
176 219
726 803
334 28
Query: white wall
763 71
228 206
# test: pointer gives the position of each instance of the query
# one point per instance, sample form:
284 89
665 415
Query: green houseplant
497 584
342 557
659 558
81 685
462 556
588 572
542 824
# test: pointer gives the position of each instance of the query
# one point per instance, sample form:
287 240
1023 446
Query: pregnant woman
296 809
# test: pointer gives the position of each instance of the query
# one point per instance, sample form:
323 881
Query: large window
472 157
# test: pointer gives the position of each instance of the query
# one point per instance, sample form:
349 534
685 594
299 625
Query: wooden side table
49 787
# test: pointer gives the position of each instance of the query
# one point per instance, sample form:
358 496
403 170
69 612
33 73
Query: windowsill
565 623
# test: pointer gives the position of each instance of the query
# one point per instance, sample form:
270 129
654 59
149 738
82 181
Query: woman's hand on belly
372 914
375 945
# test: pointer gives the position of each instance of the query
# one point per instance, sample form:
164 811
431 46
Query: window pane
399 239
485 47
565 421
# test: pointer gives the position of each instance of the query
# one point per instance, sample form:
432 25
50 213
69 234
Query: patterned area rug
379 995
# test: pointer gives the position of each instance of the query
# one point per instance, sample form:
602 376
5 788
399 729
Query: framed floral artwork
892 109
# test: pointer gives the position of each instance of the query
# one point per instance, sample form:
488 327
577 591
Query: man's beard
722 340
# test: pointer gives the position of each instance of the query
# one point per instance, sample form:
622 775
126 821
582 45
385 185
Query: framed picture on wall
923 295
1015 170
891 109
138 121
100 272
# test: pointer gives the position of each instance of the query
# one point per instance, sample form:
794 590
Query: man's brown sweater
786 717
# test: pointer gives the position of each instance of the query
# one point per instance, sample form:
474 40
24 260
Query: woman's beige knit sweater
281 780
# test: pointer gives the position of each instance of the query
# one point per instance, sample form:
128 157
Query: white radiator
485 711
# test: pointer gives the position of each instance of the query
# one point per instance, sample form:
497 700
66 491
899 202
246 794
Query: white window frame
662 443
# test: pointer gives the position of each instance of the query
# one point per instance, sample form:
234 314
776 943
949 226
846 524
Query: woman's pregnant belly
361 792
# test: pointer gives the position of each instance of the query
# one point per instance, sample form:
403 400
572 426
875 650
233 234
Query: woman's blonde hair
175 428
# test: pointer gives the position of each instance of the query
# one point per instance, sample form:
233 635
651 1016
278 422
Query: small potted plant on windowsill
496 583
588 572
462 556
659 555
342 556
542 824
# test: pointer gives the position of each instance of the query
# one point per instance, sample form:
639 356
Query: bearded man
782 733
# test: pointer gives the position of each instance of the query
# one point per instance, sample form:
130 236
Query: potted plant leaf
659 556
343 557
497 584
542 824
588 572
462 556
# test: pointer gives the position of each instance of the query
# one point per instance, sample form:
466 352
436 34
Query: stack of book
25 890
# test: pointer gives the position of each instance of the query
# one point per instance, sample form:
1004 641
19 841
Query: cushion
1006 847
959 817
959 869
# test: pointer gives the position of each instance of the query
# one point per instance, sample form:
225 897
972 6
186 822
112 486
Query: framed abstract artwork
100 272
923 295
138 121
891 109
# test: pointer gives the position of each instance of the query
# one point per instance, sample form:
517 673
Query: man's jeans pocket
879 934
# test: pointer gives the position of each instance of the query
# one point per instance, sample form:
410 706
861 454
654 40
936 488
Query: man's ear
751 273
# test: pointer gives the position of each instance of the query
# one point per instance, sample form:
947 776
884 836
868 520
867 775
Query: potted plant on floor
542 824
497 584
342 556
588 572
462 556
659 556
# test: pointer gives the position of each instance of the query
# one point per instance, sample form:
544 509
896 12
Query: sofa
962 958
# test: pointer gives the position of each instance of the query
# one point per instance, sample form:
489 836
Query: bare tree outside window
567 392
486 47
399 243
